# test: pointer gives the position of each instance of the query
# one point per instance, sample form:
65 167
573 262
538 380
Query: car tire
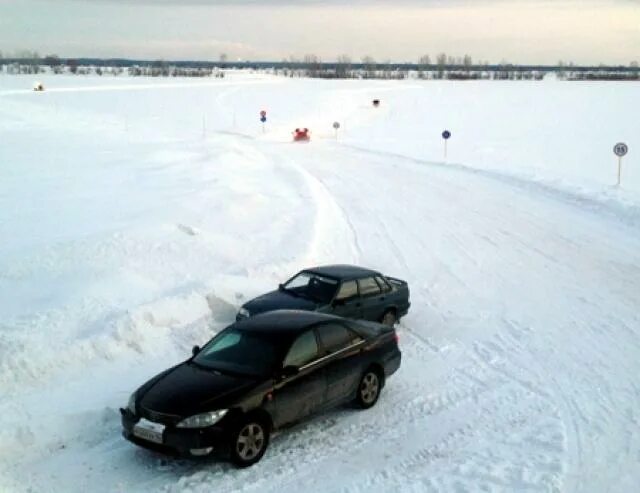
249 442
389 318
369 388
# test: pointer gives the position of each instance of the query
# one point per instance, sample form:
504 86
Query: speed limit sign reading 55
620 149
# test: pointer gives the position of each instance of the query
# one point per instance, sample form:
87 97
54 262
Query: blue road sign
620 149
446 134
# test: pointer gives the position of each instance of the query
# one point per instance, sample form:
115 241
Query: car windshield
313 286
239 351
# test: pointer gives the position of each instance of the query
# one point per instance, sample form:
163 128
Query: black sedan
256 376
345 290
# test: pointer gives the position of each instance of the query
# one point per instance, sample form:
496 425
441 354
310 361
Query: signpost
263 118
620 150
336 126
446 135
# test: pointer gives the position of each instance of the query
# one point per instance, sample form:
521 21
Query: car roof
284 322
343 272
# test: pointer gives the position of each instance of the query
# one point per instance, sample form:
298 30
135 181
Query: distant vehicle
256 376
344 290
301 135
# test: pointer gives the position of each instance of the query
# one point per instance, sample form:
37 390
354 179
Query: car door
347 302
341 348
298 395
372 299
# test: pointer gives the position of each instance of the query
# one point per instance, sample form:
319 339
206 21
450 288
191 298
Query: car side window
304 350
368 286
335 337
348 290
384 285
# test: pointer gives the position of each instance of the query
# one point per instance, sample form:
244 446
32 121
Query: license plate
148 430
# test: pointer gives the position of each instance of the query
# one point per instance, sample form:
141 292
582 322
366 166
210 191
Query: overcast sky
522 31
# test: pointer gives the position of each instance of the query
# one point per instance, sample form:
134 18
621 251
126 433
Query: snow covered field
136 215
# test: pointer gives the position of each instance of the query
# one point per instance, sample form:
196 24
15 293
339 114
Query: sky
518 31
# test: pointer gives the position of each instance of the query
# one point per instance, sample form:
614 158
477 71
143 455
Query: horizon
564 64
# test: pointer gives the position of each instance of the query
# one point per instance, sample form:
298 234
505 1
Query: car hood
279 300
188 389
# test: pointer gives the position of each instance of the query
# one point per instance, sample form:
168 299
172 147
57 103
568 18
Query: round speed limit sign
620 149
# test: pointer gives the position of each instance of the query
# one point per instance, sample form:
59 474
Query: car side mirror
280 287
195 350
289 371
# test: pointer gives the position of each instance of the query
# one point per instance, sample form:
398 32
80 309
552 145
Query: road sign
620 149
445 135
263 119
336 126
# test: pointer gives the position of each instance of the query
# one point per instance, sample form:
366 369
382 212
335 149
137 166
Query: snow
136 215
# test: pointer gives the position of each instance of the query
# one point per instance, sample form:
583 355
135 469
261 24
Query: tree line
441 66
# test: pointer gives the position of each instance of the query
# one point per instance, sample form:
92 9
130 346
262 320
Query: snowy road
526 309
520 351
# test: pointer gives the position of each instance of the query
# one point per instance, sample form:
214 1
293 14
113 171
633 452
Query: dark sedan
344 290
256 376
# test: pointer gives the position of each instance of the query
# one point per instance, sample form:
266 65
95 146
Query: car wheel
389 318
369 388
249 443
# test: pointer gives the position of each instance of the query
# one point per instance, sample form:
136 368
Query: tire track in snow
520 386
327 232
627 213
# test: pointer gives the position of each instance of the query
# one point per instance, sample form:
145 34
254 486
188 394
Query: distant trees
160 68
52 60
73 66
441 62
29 62
561 71
312 65
425 60
423 64
369 66
441 66
54 63
343 67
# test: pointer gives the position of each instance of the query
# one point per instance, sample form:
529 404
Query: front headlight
243 312
131 405
202 420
